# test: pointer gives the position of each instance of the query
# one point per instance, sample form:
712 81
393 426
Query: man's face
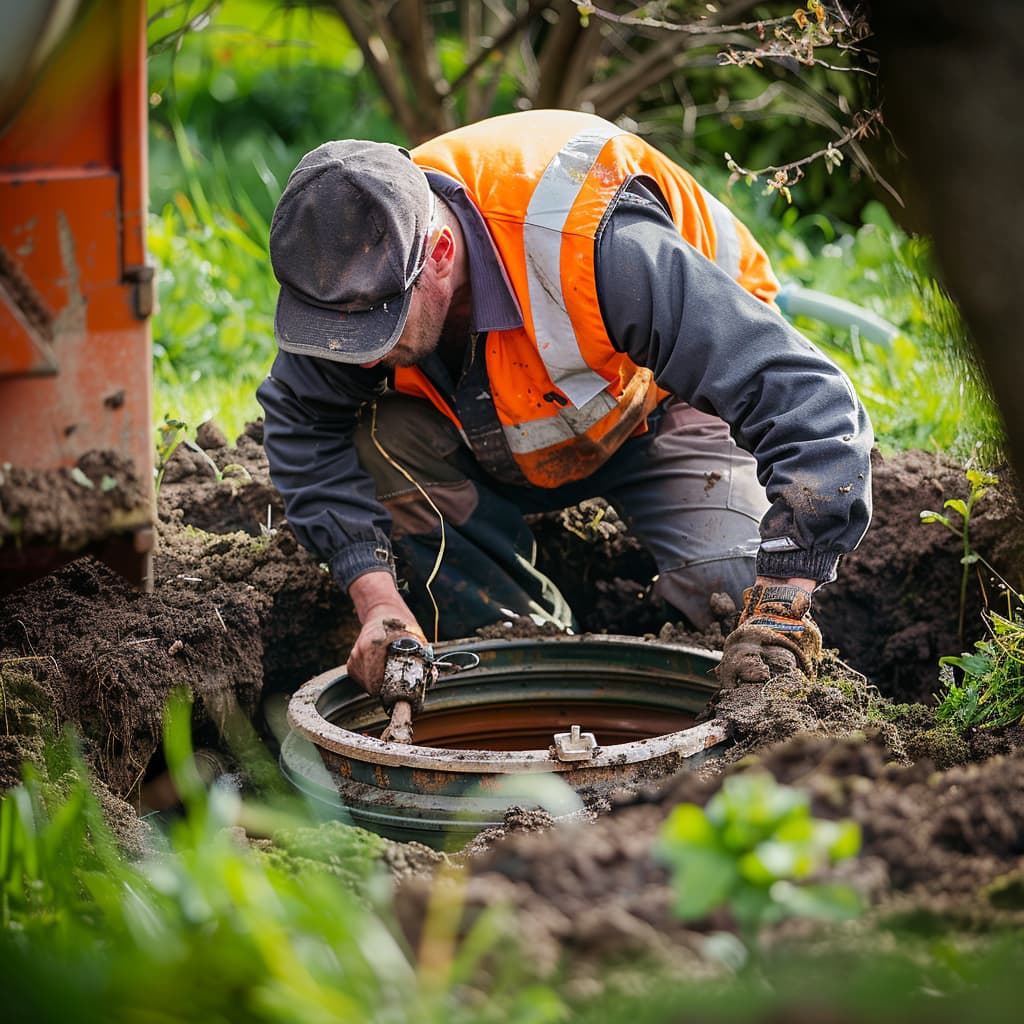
422 327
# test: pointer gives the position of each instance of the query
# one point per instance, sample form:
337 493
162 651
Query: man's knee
689 588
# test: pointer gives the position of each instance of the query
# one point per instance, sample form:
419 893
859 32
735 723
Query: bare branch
414 39
783 176
713 23
513 28
612 96
378 58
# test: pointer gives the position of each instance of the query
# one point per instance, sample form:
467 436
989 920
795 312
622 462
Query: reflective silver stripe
546 215
569 423
727 241
773 544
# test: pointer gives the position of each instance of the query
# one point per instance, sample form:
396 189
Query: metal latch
575 745
144 290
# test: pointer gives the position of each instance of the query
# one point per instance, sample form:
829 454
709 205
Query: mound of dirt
590 898
70 508
236 611
895 609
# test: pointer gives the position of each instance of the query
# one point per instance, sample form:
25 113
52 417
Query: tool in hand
411 669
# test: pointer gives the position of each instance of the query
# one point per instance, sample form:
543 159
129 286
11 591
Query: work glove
775 634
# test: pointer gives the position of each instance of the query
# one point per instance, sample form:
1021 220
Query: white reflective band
773 544
546 215
727 241
567 424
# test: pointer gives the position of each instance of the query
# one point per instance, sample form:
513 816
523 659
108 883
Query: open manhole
485 739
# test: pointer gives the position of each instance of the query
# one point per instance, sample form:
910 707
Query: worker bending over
524 313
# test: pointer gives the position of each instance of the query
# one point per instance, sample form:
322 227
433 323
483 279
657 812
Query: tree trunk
953 97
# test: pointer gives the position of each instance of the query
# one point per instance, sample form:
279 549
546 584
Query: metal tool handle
410 670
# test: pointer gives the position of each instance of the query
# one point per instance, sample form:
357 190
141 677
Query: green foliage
924 390
980 483
991 693
170 435
216 299
755 849
886 978
261 81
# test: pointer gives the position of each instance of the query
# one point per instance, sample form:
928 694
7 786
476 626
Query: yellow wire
401 469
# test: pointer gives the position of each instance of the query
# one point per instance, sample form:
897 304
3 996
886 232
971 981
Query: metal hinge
144 280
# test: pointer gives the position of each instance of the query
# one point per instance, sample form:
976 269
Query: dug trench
240 615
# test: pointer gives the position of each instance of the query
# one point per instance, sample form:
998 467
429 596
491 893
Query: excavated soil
240 615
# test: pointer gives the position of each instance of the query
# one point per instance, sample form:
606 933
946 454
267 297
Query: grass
234 105
990 692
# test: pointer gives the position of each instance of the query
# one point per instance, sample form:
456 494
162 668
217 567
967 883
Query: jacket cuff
821 566
357 559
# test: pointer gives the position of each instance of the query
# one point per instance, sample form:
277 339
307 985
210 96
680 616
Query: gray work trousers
684 489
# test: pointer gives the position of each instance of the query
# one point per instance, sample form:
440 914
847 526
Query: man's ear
443 252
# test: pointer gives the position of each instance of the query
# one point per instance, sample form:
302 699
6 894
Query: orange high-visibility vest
543 181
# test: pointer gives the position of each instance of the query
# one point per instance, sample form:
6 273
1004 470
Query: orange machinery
75 289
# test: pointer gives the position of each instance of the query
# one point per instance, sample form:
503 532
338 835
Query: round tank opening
530 724
524 691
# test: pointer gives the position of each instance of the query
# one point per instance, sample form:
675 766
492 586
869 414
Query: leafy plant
171 434
755 850
992 691
980 483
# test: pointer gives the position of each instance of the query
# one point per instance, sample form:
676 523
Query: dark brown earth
240 613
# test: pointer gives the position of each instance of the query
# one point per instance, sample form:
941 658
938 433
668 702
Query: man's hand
384 617
776 634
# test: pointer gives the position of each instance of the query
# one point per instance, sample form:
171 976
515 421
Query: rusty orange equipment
75 289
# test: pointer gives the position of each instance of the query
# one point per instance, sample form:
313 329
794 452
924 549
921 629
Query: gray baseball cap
347 242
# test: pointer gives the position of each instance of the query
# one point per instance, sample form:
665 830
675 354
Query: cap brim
342 337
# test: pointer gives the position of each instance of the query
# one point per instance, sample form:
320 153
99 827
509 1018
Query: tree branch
513 28
378 59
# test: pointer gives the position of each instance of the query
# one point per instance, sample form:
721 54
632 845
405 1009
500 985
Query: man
530 311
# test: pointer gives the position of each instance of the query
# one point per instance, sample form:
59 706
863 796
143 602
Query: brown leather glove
776 634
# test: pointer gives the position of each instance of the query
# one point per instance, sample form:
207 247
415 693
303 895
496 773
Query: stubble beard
421 338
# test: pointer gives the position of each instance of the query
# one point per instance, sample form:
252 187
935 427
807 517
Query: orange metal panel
73 283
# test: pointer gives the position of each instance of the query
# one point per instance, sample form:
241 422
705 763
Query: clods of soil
941 845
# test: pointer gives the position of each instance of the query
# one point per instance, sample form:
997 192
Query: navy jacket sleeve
311 409
723 351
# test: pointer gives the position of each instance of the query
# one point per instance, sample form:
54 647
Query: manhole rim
305 718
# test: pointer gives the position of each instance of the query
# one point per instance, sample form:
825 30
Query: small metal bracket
144 283
575 745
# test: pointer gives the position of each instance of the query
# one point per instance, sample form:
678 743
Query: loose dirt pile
946 845
240 613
